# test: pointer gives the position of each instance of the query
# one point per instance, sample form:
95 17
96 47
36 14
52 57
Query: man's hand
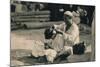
59 31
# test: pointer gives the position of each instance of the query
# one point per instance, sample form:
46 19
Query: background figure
83 15
32 7
24 6
76 17
18 7
39 6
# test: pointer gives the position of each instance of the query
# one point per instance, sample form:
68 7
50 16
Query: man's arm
74 33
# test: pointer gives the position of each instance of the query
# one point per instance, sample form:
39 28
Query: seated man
69 30
67 35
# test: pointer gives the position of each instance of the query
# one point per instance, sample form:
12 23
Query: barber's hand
59 31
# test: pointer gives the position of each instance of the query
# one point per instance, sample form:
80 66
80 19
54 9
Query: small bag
79 48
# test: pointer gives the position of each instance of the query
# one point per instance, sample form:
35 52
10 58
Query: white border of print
5 33
82 2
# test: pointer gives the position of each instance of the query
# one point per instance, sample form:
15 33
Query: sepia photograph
43 33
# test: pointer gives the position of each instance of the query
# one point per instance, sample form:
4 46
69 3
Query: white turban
68 13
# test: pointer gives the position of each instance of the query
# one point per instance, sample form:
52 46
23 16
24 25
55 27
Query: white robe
71 36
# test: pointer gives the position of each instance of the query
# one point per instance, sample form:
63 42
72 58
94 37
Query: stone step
30 20
31 13
33 16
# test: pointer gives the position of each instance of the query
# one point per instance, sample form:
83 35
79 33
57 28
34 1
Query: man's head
50 33
68 17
